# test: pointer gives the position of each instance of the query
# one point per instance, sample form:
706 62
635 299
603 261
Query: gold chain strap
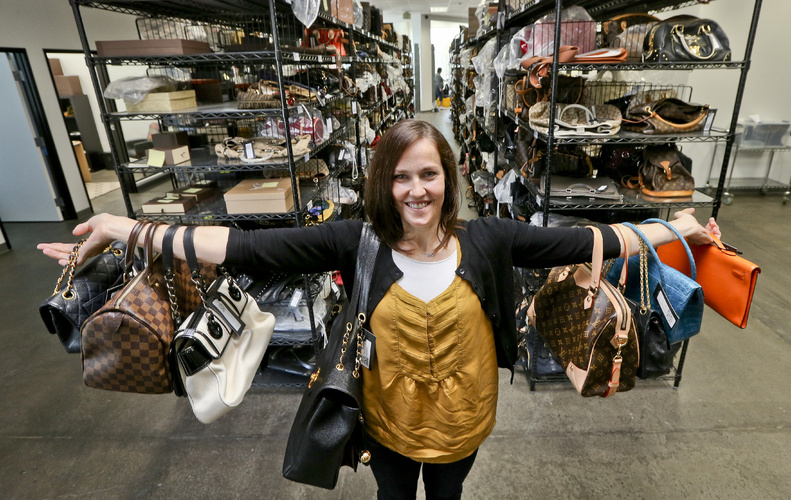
645 298
68 294
359 351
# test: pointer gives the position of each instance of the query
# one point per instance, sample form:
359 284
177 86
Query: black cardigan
490 248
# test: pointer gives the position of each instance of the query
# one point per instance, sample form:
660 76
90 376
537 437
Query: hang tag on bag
665 308
228 316
369 349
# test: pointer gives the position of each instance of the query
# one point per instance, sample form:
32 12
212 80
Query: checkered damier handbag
126 343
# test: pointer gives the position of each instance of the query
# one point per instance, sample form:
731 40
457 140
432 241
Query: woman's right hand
103 229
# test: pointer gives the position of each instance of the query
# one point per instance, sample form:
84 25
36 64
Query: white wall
36 25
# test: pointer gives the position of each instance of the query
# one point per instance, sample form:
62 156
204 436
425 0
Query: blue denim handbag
677 297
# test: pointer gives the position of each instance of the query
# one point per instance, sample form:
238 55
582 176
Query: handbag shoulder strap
167 248
363 272
683 241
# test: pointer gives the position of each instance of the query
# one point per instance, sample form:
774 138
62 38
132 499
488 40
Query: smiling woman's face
419 187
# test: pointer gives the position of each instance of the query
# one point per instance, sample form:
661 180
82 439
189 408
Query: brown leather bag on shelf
666 116
663 174
588 326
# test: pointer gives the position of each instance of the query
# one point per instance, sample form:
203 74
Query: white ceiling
456 8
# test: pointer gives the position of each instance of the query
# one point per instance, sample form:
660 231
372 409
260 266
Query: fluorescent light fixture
439 9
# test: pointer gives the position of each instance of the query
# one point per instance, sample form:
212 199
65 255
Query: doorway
34 187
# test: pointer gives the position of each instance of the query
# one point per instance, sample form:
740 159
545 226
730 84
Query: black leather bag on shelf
685 39
327 432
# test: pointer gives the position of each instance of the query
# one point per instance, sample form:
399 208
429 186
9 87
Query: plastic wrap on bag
134 89
521 43
306 11
502 191
483 61
577 28
483 183
357 8
465 58
501 62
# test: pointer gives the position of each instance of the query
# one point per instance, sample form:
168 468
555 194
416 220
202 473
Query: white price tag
310 204
341 154
295 298
354 107
329 125
664 306
296 56
306 157
334 287
321 59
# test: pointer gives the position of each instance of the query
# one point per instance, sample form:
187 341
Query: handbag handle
167 263
681 238
148 245
131 247
678 31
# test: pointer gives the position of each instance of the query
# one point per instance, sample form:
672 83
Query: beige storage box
115 48
172 156
163 102
169 205
68 85
260 196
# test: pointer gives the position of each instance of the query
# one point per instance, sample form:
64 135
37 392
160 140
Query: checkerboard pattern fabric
126 343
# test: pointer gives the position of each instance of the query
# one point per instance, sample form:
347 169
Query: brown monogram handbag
588 325
126 343
663 174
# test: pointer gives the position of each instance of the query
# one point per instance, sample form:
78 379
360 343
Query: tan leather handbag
588 325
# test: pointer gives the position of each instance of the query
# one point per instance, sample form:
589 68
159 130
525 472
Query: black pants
397 475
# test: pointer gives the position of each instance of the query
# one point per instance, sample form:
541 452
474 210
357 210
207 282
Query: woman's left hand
696 234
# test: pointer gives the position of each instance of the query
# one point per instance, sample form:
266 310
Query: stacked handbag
132 335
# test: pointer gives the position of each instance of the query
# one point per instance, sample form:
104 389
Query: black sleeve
539 247
321 248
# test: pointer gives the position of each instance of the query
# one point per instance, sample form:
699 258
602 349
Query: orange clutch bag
728 280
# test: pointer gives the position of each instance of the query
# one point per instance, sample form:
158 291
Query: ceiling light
439 9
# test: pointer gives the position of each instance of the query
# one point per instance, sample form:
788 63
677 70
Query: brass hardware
68 295
313 377
365 457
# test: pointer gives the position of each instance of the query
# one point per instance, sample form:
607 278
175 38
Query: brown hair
380 205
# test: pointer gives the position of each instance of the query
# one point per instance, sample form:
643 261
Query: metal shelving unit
248 38
708 197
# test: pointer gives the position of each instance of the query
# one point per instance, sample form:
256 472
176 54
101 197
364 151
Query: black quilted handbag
84 293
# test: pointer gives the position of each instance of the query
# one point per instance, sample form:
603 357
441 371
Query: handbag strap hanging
683 241
363 271
167 263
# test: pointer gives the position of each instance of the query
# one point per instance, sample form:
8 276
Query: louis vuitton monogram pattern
583 336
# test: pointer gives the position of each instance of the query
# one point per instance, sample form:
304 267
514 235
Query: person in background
439 85
441 301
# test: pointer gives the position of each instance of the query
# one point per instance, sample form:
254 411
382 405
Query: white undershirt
425 280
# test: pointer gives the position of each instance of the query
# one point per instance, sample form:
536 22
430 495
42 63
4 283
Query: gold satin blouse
431 393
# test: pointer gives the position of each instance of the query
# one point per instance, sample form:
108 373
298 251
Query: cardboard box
171 156
343 10
55 67
169 205
197 192
170 140
68 85
473 23
114 48
260 196
165 102
82 161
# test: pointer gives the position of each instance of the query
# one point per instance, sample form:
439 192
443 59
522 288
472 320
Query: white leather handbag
219 349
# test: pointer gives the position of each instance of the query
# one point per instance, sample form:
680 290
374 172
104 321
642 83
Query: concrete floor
725 433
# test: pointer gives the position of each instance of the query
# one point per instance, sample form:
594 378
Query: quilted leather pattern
125 344
91 287
582 337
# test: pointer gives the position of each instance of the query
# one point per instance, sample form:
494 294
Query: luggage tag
369 349
664 306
